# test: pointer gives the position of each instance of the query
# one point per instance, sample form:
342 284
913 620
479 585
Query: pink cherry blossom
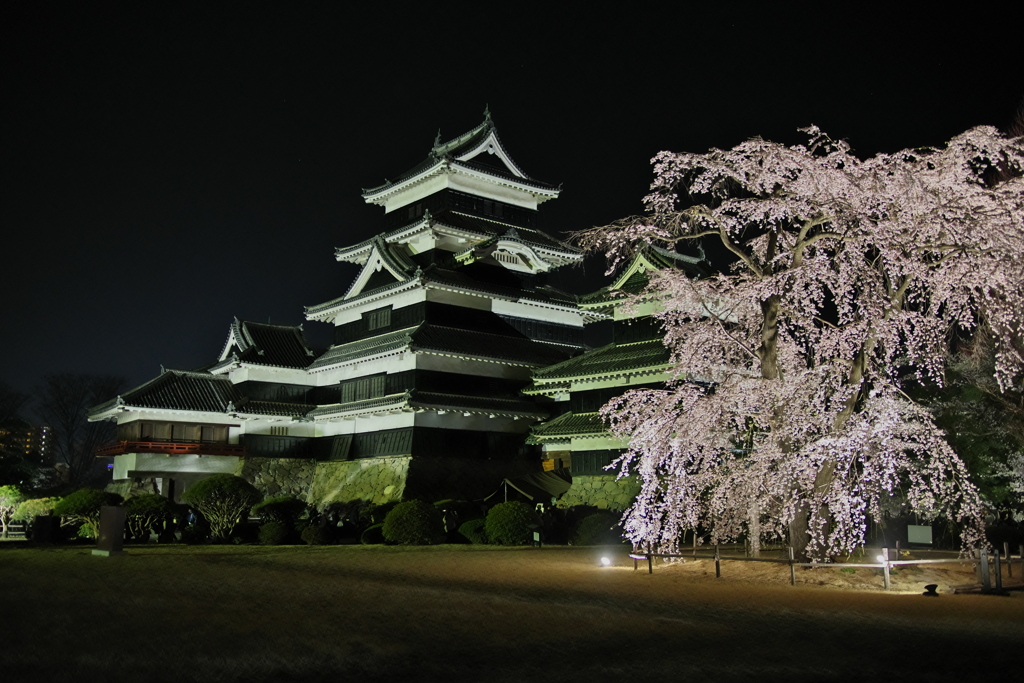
788 418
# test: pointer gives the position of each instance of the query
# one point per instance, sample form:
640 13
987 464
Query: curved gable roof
265 344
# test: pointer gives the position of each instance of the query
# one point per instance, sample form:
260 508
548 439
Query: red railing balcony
171 448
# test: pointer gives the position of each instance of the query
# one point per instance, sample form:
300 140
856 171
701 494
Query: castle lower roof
177 390
281 346
567 426
447 341
650 356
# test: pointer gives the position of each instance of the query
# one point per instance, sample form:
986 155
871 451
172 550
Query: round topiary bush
274 533
84 506
511 523
10 498
454 513
314 534
194 534
35 507
601 528
284 509
375 514
373 535
474 531
143 513
414 523
223 500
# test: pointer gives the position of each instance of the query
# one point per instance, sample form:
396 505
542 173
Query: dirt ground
903 579
447 613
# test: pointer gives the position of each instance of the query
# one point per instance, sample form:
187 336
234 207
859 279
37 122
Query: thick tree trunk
768 352
798 537
754 530
823 479
822 482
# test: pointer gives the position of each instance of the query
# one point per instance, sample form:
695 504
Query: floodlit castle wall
379 480
602 491
278 476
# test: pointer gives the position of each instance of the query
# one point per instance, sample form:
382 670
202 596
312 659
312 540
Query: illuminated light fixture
881 558
606 561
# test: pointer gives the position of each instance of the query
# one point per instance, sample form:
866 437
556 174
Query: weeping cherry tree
788 417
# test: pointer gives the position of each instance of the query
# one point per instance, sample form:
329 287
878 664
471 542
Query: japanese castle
635 359
449 348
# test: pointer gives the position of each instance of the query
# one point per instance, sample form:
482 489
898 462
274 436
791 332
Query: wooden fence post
986 579
999 573
1009 559
792 567
718 563
885 567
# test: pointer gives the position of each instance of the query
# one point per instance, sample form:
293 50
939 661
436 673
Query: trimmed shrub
511 523
223 500
414 523
194 534
374 535
454 513
29 510
246 533
344 519
10 498
465 510
274 533
375 514
35 507
314 534
474 531
84 506
284 509
600 528
343 511
144 512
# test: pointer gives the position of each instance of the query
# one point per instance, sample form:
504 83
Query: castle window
507 257
378 319
363 388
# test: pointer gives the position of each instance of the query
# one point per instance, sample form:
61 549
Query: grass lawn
333 613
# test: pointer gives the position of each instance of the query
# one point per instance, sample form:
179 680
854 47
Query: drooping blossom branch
849 278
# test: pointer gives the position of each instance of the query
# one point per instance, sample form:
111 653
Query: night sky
170 166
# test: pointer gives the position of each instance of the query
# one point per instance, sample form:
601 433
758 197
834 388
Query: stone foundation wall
278 476
603 491
386 479
129 488
380 480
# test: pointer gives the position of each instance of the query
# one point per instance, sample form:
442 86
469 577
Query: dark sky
168 166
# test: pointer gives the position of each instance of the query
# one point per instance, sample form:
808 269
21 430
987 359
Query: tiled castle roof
265 344
178 390
423 400
441 277
449 341
566 426
442 153
645 356
632 283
